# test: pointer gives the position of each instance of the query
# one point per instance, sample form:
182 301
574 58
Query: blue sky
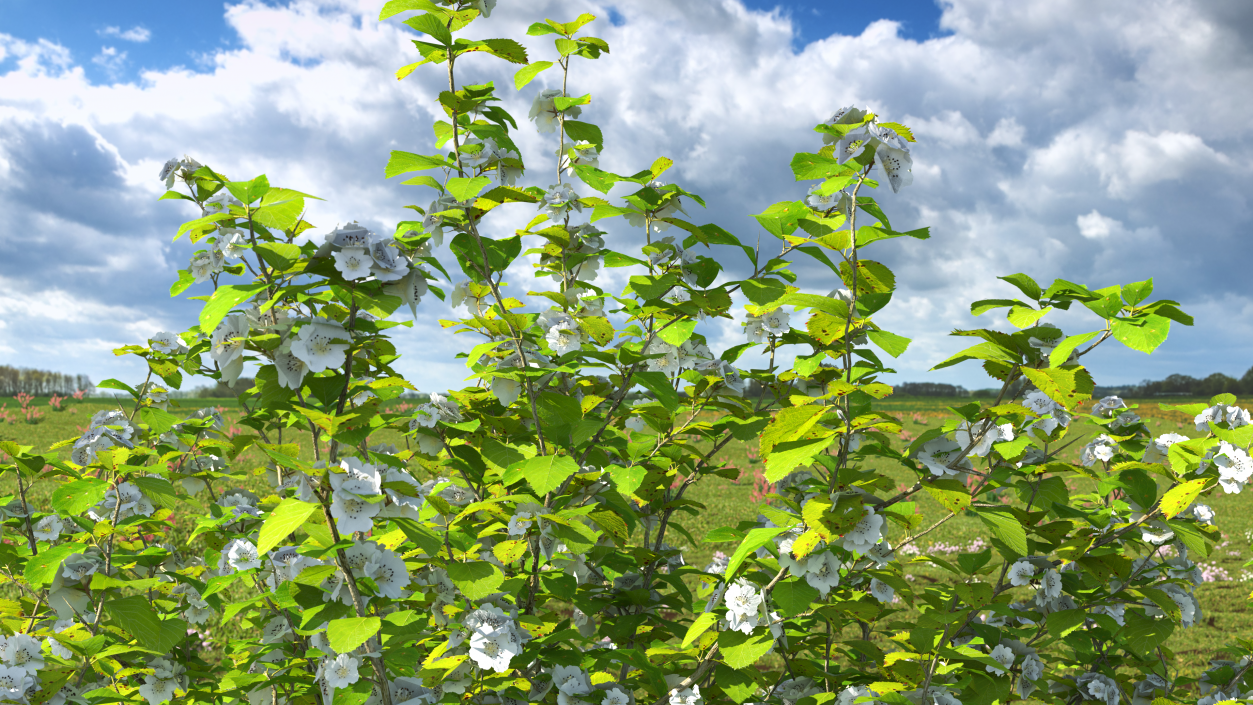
167 34
1098 143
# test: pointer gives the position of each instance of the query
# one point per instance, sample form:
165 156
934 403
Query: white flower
167 343
353 262
158 690
776 322
572 680
558 199
847 115
227 349
881 591
895 160
1021 573
221 201
493 649
315 344
126 500
615 696
564 337
585 153
23 651
1159 449
411 288
1235 467
351 235
686 696
203 267
1106 406
411 691
1032 667
1042 405
461 296
291 369
544 111
839 200
168 172
1101 448
340 673
1097 686
990 434
1003 655
743 598
1233 416
56 647
1051 585
1203 513
389 573
691 354
275 630
240 554
822 571
49 528
943 456
389 265
865 534
351 511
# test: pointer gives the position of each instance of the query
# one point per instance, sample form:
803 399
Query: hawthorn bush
522 548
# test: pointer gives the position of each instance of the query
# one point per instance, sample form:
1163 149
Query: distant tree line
22 380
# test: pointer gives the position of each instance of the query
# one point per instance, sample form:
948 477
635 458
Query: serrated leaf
135 616
698 627
756 539
1143 634
951 494
475 580
1006 527
1182 496
463 189
528 73
41 569
545 473
223 300
286 518
627 479
1144 334
743 650
678 332
793 596
347 634
1061 353
74 498
1067 385
891 343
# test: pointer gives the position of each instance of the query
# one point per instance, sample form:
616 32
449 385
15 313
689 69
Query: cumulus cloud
135 34
1085 150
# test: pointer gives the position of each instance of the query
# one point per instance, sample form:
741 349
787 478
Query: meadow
1224 595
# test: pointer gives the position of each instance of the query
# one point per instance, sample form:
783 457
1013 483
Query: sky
1101 143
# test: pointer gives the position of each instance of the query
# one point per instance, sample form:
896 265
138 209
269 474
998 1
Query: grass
728 502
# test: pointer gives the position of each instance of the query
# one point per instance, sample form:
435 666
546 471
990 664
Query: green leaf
431 25
789 455
660 386
1006 527
403 162
563 103
982 351
223 300
1108 305
743 650
280 208
698 627
756 539
871 277
1137 292
286 518
627 479
158 489
545 473
951 494
1142 334
345 635
763 292
1025 317
783 218
1143 634
1066 621
136 617
1067 385
793 596
279 255
598 179
1025 284
891 343
41 569
584 131
74 498
817 166
464 189
475 580
527 73
678 332
1061 353
1181 496
199 223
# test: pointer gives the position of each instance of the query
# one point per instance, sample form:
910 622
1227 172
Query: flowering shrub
522 546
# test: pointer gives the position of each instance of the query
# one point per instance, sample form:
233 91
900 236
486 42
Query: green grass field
1225 597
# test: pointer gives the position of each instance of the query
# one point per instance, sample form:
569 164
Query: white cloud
136 34
1095 226
111 60
1031 127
